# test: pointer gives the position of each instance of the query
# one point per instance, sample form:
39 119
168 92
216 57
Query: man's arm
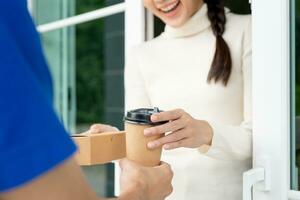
67 182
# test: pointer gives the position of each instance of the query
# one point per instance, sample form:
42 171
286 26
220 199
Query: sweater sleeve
235 142
135 90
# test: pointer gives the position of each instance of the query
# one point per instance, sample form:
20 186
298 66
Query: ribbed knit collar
198 22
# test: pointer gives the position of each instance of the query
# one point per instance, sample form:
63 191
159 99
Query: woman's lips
171 10
170 7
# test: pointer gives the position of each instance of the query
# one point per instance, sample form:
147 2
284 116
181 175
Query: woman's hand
101 128
182 131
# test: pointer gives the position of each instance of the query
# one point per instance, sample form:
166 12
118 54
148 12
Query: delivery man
36 153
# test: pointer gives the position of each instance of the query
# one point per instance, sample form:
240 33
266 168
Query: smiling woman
190 67
199 71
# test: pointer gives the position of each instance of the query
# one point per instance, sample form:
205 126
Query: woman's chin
176 23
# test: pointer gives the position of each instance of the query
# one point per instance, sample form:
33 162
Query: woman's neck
196 23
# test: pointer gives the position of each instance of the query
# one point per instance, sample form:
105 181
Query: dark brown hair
221 66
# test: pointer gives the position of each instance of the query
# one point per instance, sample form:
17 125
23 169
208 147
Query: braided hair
221 66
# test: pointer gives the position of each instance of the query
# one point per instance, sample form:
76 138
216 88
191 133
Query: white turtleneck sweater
170 72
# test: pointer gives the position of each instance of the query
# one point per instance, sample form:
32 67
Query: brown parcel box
101 148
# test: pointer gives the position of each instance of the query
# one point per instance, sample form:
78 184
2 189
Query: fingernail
116 129
147 132
95 127
151 145
154 118
166 146
92 131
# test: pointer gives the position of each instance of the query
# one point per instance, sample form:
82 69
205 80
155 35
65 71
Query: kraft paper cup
136 122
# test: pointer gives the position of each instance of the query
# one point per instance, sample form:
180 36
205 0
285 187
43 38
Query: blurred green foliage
239 7
89 65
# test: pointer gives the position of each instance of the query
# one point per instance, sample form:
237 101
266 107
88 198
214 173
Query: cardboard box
100 148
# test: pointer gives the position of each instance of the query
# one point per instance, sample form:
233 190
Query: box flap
87 134
107 133
84 134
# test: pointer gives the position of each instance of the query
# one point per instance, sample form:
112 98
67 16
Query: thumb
164 167
96 128
100 128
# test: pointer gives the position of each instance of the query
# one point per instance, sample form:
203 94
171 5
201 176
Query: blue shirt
32 140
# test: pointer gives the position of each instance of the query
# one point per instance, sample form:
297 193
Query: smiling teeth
170 7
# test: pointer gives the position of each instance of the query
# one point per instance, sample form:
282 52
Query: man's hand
145 183
67 182
101 128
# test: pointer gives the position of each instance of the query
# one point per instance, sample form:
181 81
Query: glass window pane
58 10
87 64
295 91
99 85
60 52
99 72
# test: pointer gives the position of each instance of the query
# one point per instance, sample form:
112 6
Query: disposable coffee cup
136 121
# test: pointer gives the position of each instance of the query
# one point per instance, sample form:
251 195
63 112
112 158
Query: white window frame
271 175
82 18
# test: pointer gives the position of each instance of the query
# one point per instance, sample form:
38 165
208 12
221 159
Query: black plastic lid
142 116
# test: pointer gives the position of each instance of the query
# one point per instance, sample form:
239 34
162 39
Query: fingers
177 144
167 116
164 166
100 128
125 163
97 128
168 127
170 138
